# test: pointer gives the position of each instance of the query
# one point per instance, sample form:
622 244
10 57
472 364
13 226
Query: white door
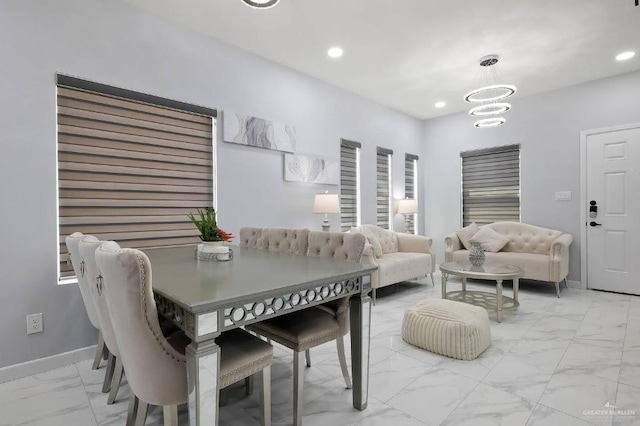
613 235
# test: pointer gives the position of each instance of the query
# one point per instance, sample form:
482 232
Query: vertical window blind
383 183
491 185
349 184
411 188
130 169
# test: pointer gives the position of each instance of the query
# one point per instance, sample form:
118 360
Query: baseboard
36 366
574 284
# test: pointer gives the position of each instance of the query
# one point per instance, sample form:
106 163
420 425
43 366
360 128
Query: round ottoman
454 329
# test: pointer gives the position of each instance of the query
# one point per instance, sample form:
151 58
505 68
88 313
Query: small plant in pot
210 234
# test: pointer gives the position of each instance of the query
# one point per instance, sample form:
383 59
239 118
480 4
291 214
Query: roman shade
383 184
349 184
491 185
130 166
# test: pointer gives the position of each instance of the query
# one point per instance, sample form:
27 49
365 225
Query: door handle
592 223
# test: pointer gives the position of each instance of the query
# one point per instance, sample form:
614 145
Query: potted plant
211 235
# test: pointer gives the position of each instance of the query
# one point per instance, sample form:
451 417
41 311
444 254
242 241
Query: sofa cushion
489 239
466 233
397 267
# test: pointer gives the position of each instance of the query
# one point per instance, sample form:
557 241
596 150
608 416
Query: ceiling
409 54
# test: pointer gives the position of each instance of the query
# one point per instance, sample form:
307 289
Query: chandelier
261 4
489 95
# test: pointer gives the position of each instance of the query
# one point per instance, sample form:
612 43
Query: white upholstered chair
308 328
87 250
89 304
156 366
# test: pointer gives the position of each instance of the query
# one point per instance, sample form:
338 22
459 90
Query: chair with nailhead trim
312 327
126 277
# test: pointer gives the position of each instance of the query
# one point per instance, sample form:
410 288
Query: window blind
349 184
129 170
491 185
411 188
383 183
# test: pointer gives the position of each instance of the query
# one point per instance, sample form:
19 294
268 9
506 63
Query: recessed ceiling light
261 4
440 104
625 55
335 52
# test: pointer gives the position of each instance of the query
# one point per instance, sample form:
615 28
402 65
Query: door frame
584 134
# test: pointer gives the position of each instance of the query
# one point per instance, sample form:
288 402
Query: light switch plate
563 196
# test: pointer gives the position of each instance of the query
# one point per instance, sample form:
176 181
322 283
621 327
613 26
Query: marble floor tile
54 397
590 359
388 377
386 415
579 395
491 407
630 368
627 406
521 375
545 416
632 336
433 396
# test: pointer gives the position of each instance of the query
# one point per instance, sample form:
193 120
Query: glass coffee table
488 271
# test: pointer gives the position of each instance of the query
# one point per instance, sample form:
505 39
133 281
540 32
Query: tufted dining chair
251 237
308 328
72 246
155 365
87 250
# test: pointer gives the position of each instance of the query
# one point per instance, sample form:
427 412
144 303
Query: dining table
207 298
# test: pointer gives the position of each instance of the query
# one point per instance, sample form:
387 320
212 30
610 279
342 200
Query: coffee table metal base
484 299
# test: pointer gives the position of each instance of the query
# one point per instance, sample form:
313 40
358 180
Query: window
349 184
491 185
383 197
130 166
411 189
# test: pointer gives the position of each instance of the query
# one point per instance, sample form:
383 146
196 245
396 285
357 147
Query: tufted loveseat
542 253
398 256
295 241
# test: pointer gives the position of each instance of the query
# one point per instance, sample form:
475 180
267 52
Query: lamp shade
326 203
407 206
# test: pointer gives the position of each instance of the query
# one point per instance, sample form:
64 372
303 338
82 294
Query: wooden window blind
411 188
491 185
130 169
383 183
349 184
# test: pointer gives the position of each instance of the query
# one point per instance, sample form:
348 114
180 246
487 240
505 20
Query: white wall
548 128
121 46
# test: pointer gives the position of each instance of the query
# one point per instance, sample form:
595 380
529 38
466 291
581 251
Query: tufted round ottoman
454 329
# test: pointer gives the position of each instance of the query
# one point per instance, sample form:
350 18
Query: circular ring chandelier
489 94
490 109
261 4
489 122
495 92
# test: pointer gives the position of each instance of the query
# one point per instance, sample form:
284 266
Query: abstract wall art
258 132
302 168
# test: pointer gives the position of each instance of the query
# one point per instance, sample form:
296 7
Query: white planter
215 247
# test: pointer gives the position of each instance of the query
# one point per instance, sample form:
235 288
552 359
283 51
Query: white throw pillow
466 233
489 240
374 241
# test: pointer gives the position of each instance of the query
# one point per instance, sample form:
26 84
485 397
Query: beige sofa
542 253
398 256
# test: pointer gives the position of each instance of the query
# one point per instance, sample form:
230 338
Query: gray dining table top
200 286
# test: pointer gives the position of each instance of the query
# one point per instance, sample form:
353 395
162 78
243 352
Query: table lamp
325 204
407 207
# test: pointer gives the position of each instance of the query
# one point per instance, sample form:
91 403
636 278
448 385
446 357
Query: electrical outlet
34 323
